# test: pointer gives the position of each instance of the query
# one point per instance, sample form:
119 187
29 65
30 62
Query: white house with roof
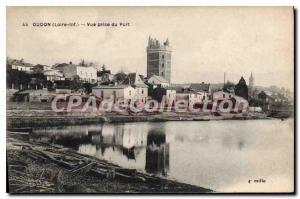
221 95
156 81
53 75
21 66
85 73
118 92
141 89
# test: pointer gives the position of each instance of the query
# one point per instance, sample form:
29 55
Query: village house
266 100
221 95
117 92
85 73
158 81
136 81
237 102
203 89
41 68
53 75
192 97
199 97
20 65
159 92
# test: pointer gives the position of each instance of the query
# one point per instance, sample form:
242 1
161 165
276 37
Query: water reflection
221 155
157 153
69 136
112 142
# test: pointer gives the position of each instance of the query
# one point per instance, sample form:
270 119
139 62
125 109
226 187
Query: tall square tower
159 59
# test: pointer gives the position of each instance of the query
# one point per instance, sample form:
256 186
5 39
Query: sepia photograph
103 99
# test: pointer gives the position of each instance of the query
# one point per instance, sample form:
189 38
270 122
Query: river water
226 156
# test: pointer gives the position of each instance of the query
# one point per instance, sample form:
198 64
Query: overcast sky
206 41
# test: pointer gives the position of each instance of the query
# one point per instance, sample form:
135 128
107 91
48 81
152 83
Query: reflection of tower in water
157 153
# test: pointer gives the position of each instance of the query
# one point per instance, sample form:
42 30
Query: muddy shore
36 167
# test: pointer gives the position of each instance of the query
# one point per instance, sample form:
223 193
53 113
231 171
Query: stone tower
159 59
251 84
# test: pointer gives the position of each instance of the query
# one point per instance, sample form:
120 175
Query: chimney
70 62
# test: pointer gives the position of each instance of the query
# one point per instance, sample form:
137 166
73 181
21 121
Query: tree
17 78
87 87
241 89
228 87
120 77
75 84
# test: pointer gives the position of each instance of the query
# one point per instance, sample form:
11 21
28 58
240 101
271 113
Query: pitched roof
19 63
135 80
159 78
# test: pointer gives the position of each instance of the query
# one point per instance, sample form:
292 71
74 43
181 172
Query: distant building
191 97
241 89
85 73
265 101
221 95
158 81
159 59
251 85
238 103
202 89
197 97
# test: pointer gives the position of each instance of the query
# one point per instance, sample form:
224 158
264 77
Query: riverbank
37 167
32 118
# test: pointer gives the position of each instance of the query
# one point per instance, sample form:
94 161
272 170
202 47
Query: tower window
162 73
162 56
162 65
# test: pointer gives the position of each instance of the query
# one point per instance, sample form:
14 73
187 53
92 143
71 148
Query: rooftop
122 86
159 78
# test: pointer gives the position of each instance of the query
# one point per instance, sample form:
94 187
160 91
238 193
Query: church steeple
251 84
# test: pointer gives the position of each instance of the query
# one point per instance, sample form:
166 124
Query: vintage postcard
150 99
